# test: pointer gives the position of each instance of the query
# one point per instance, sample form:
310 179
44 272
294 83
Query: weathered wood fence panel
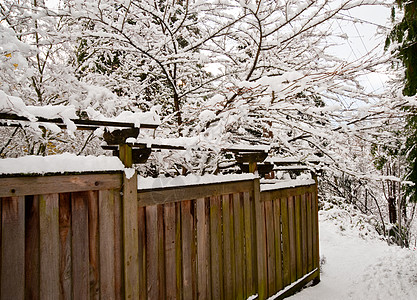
63 243
69 237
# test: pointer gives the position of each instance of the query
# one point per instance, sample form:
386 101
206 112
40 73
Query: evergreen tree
404 34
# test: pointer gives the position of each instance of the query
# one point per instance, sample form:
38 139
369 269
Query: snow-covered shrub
350 220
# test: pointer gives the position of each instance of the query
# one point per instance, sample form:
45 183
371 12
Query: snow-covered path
358 268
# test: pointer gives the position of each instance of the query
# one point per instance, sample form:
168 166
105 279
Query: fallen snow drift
358 264
61 163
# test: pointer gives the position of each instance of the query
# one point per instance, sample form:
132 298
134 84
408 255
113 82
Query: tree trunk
392 210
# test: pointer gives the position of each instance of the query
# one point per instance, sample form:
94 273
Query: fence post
316 226
130 227
261 254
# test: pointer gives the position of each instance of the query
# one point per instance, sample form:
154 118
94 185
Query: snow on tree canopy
15 105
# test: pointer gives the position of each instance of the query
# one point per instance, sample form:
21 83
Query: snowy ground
358 265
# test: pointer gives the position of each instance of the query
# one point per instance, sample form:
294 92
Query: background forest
224 72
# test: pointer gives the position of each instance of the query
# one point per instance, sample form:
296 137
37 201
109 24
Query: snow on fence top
285 184
61 163
146 183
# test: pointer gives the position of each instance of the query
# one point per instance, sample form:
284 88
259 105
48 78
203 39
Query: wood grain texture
13 248
227 249
160 253
292 234
270 241
286 269
38 185
298 245
106 228
309 234
287 192
142 252
187 228
167 195
93 245
261 253
65 272
49 246
238 240
118 245
80 255
217 287
130 237
304 232
152 252
278 244
250 248
32 248
203 250
170 263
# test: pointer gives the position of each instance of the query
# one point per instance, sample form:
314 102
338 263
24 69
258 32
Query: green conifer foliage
404 34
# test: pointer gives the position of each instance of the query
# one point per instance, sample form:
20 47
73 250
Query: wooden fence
74 237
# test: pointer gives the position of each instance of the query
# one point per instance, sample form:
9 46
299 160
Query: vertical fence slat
297 219
316 214
249 273
118 246
187 224
269 220
304 232
152 251
216 248
178 249
170 278
291 222
203 252
32 248
286 272
106 235
80 257
309 235
65 273
160 253
239 245
260 241
277 237
227 248
93 244
13 248
1 238
316 254
142 252
49 246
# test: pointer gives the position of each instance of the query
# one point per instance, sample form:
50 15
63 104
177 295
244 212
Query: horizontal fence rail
96 236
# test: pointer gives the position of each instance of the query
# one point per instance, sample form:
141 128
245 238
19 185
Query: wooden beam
175 194
130 227
297 286
287 192
93 123
37 185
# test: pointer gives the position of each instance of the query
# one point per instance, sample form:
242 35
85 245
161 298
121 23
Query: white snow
359 265
129 172
60 163
145 183
286 184
15 105
288 287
